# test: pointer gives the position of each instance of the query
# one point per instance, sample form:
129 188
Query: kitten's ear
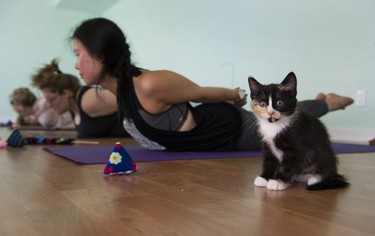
254 86
290 84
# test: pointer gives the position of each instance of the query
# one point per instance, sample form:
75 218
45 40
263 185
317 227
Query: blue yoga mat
100 154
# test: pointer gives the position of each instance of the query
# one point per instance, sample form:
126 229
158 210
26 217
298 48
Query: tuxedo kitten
296 146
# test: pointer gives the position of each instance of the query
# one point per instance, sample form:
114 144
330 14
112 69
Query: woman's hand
241 100
31 120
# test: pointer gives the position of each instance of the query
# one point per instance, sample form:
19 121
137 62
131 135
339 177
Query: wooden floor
42 194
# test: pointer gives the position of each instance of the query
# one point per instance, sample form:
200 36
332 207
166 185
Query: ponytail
51 77
125 71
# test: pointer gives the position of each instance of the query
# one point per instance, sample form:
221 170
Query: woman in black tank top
218 123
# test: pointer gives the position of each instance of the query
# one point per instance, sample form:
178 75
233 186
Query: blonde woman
93 109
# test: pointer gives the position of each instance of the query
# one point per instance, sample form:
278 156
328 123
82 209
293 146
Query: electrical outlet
361 98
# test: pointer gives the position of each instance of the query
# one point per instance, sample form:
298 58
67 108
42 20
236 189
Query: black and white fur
296 145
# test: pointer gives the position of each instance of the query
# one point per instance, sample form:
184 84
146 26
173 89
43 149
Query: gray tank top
171 120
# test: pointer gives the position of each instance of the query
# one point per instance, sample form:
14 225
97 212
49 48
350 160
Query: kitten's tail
336 181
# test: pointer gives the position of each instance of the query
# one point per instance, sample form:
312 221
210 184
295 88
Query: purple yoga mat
100 154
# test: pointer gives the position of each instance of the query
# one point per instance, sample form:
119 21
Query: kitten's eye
279 103
262 104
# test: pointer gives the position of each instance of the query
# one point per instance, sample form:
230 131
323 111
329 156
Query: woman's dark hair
103 39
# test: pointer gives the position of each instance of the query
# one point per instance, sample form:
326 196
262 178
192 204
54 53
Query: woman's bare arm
99 102
172 88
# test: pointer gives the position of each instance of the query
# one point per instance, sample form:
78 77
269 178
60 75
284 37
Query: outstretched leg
324 103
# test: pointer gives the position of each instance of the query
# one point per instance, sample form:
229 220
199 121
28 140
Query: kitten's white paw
274 184
260 181
314 179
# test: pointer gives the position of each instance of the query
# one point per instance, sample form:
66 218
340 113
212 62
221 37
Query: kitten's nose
271 113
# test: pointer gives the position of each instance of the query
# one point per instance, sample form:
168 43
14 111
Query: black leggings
250 139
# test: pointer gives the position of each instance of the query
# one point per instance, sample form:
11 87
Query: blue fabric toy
15 139
120 162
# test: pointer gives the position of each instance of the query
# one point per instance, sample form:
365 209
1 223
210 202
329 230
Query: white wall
32 34
329 44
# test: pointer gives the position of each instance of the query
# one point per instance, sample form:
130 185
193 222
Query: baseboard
358 136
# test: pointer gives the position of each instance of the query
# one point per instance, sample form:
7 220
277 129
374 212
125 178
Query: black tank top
218 128
102 126
172 119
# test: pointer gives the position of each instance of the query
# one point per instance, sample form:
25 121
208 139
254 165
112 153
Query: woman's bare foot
321 96
336 102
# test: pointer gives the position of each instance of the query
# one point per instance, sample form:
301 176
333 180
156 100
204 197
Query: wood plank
41 194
